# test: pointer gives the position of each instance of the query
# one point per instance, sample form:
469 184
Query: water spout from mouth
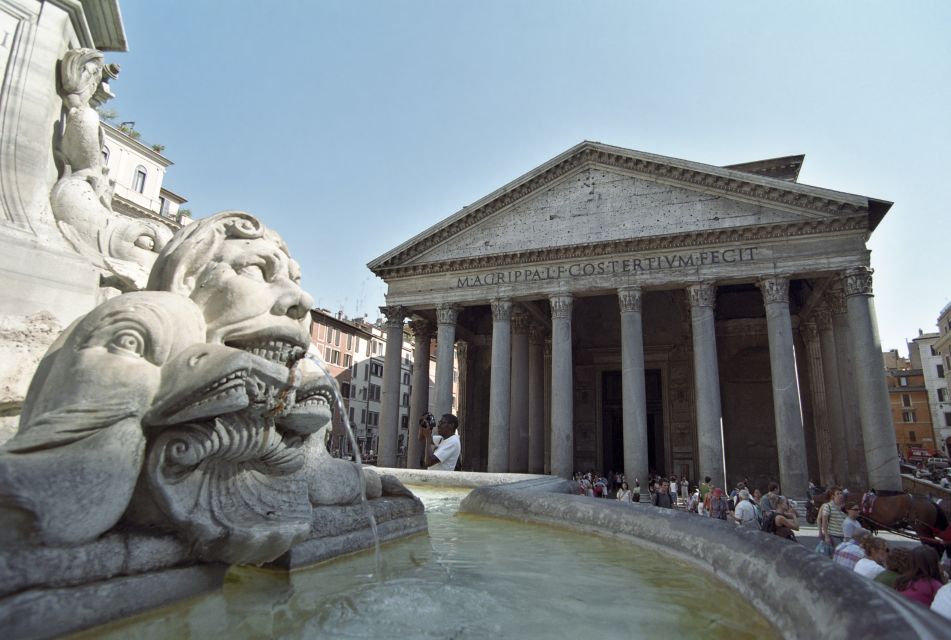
338 401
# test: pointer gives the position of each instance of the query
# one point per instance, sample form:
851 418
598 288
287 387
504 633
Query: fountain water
345 418
507 580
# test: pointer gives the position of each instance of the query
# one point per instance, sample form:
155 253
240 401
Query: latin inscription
610 267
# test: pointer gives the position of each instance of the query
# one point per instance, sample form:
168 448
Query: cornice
692 239
706 178
131 209
122 138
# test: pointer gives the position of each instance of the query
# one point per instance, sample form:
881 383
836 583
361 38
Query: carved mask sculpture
226 429
183 409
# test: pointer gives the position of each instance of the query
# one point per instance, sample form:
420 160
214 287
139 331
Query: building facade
340 344
353 352
926 354
911 414
139 172
622 310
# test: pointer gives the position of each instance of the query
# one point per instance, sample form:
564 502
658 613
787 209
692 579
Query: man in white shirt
745 512
446 453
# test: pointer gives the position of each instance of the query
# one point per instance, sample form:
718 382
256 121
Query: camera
428 421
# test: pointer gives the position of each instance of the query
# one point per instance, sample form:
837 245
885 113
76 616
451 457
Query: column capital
629 298
501 309
823 316
857 281
810 332
520 322
560 305
836 301
775 289
702 294
394 316
447 313
421 328
536 333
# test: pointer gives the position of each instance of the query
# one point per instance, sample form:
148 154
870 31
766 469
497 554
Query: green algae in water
473 577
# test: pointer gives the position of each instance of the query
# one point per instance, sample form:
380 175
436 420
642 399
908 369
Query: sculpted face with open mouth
229 419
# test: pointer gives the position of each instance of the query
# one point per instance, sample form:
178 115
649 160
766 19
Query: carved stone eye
253 271
128 342
145 242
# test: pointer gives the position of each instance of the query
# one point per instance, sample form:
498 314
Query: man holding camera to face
441 450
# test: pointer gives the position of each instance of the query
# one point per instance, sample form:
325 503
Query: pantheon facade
618 310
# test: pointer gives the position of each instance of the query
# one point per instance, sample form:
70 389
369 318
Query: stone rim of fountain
805 595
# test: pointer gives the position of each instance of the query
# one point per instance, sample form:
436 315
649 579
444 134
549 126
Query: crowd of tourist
915 574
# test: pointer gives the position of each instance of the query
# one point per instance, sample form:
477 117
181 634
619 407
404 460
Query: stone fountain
172 432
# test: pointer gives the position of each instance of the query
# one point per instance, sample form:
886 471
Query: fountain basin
802 594
471 577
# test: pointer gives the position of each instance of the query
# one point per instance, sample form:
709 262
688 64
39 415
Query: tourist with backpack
745 513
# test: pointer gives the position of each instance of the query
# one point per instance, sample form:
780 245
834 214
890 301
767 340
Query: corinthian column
518 408
390 400
562 388
462 405
536 401
499 383
546 354
790 437
446 315
707 382
419 399
632 385
820 410
857 478
830 376
878 432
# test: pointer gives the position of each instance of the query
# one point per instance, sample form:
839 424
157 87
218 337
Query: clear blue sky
352 126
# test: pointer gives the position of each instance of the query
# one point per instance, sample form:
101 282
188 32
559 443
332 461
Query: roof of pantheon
769 183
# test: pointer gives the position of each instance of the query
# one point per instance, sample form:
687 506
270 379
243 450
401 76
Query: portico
675 300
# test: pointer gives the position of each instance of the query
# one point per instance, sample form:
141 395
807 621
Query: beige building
139 171
352 351
942 351
623 310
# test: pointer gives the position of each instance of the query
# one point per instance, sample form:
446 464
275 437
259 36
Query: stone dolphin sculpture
68 474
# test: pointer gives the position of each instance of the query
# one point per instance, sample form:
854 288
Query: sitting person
942 601
693 504
923 580
769 502
876 552
719 504
624 494
850 551
745 513
783 521
850 522
663 498
897 562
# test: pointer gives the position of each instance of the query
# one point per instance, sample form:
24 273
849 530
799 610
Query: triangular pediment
594 194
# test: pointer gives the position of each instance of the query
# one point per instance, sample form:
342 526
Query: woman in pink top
924 578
